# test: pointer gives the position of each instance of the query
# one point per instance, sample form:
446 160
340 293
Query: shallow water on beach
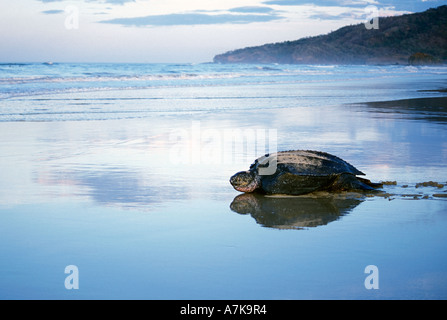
130 184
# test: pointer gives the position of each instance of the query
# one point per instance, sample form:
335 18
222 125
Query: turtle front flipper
349 182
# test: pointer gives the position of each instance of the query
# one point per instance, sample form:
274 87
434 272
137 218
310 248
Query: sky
172 31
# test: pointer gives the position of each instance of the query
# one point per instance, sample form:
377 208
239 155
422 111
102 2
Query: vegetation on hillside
397 39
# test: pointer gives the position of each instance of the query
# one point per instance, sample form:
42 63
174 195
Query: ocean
120 172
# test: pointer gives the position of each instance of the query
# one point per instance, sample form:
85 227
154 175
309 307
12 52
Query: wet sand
109 197
429 109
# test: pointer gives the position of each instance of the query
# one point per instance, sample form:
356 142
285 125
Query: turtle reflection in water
293 212
299 172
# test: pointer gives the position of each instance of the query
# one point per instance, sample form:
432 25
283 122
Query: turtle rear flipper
349 182
369 183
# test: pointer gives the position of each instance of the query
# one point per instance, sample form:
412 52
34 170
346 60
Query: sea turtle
300 172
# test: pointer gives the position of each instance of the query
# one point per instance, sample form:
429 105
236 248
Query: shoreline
142 197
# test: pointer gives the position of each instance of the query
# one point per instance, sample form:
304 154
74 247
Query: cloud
53 11
285 2
253 9
339 16
327 3
405 5
120 2
182 19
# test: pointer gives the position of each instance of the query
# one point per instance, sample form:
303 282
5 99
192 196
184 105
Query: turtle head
245 181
